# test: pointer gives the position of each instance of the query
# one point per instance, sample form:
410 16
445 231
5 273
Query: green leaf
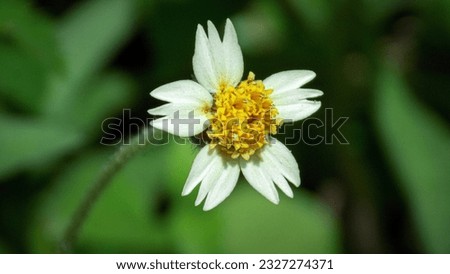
89 37
91 105
246 223
123 220
33 143
92 33
251 224
193 230
30 30
28 52
110 93
16 66
418 146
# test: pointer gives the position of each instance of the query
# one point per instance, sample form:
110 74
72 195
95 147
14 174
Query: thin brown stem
111 168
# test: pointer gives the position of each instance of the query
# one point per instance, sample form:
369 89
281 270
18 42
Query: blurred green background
65 66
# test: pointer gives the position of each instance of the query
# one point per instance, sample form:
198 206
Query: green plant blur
66 66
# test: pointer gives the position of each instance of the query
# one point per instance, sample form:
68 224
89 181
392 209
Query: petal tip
210 23
317 104
229 25
319 93
308 76
200 31
154 93
208 207
198 202
228 22
185 192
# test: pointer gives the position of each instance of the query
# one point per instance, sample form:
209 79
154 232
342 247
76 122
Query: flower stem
111 168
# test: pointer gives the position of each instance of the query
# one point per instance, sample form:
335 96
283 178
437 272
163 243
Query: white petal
232 54
216 48
214 172
183 123
184 114
289 96
223 186
200 168
213 36
297 110
217 177
170 108
208 182
258 178
277 177
217 62
203 62
182 91
288 80
282 160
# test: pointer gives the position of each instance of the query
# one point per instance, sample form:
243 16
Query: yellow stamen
241 118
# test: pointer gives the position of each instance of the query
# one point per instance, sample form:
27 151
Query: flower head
236 118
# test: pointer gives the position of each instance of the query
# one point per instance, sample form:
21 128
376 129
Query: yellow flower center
241 118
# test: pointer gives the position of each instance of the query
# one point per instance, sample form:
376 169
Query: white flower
236 118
